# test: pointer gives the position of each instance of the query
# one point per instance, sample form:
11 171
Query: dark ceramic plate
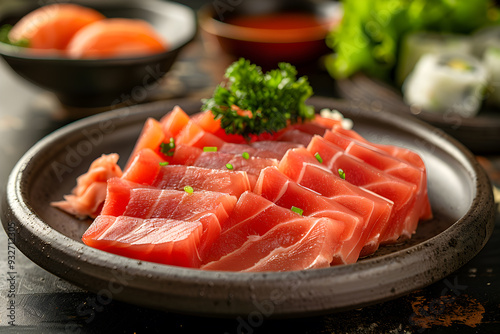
459 190
481 134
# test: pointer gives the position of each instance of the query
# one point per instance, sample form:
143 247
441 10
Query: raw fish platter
235 189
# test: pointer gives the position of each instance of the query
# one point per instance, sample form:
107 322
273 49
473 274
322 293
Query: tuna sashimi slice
219 160
278 188
218 180
391 165
302 167
401 193
296 136
207 121
266 149
151 137
300 243
88 196
315 250
161 240
278 147
194 135
173 122
185 154
127 199
144 167
401 153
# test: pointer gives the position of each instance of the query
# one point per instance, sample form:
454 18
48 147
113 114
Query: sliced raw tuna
260 149
400 153
168 241
302 167
302 243
146 170
185 154
151 137
223 181
127 199
144 167
391 165
207 122
173 122
401 193
218 160
88 196
253 217
194 135
278 147
278 188
296 136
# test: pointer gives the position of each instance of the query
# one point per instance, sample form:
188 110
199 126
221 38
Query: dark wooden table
467 301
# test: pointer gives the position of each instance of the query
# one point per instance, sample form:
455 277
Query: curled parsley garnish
252 102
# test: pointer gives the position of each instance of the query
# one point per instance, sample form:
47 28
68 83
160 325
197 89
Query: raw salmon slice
302 167
391 165
279 189
88 196
252 217
161 240
359 173
302 243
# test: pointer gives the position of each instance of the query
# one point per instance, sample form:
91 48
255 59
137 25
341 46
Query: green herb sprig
265 102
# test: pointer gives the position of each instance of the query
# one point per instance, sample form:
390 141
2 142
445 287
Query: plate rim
30 232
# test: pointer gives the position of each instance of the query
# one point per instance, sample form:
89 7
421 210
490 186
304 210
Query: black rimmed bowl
89 83
260 31
459 190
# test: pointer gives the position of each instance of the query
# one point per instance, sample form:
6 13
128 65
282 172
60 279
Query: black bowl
105 82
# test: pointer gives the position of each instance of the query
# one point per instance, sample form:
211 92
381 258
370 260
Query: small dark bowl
266 46
105 82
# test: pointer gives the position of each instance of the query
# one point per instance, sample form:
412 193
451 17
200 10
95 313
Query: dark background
467 301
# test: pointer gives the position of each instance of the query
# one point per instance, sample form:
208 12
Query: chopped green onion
188 189
318 157
297 210
210 149
164 163
168 149
341 173
245 155
229 166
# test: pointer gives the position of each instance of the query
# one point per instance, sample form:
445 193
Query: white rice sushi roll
415 45
491 60
447 83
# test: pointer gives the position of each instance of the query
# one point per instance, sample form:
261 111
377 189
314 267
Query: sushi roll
447 83
416 44
491 60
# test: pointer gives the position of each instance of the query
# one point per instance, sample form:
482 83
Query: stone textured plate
460 194
480 134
